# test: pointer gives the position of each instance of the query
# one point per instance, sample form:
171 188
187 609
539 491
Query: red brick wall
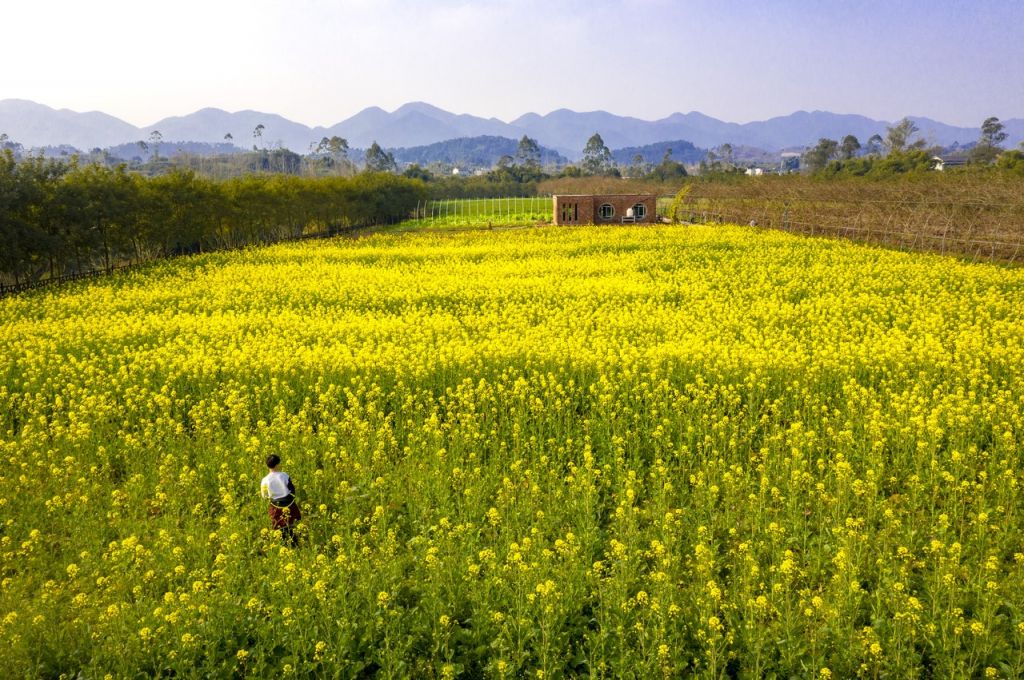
585 209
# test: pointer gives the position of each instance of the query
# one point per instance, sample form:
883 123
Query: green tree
155 137
597 158
335 147
6 143
528 153
817 158
668 169
97 210
333 153
379 160
875 143
710 162
992 132
25 245
849 147
726 152
897 137
989 145
1012 161
913 160
638 166
415 171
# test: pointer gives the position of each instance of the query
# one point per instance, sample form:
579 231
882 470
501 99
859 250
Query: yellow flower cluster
652 452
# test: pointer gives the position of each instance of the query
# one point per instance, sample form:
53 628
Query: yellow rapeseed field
641 452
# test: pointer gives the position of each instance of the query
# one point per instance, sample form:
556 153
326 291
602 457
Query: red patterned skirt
286 515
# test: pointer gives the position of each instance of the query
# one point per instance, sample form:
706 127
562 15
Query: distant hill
682 152
469 152
415 124
420 124
569 130
33 125
211 126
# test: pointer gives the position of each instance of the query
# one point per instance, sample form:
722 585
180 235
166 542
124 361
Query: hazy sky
318 62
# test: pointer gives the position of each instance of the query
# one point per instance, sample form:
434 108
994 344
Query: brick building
605 209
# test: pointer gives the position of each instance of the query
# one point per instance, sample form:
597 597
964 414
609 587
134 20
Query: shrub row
60 218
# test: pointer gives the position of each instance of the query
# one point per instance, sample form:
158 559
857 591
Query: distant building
790 162
754 172
605 209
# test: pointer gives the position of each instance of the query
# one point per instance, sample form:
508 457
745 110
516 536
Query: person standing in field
277 487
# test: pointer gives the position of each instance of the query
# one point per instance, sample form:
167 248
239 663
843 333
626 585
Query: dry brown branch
978 216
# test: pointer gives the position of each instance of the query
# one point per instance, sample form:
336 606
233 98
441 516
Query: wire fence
978 215
965 230
507 210
978 230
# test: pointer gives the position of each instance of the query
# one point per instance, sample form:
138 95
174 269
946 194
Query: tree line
59 218
523 174
898 152
331 156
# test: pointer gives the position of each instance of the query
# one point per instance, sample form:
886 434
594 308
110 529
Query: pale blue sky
320 61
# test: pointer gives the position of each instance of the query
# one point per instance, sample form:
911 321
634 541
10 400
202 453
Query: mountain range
420 124
482 151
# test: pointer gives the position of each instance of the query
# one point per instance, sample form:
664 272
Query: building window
639 210
570 213
606 211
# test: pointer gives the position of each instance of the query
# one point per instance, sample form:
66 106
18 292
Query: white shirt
275 485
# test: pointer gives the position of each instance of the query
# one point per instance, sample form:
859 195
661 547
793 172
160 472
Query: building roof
645 195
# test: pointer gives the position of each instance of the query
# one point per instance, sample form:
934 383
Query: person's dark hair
273 460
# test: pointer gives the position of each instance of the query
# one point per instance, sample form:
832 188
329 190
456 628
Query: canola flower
553 452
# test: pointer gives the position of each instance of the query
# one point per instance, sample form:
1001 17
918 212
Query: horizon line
506 122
